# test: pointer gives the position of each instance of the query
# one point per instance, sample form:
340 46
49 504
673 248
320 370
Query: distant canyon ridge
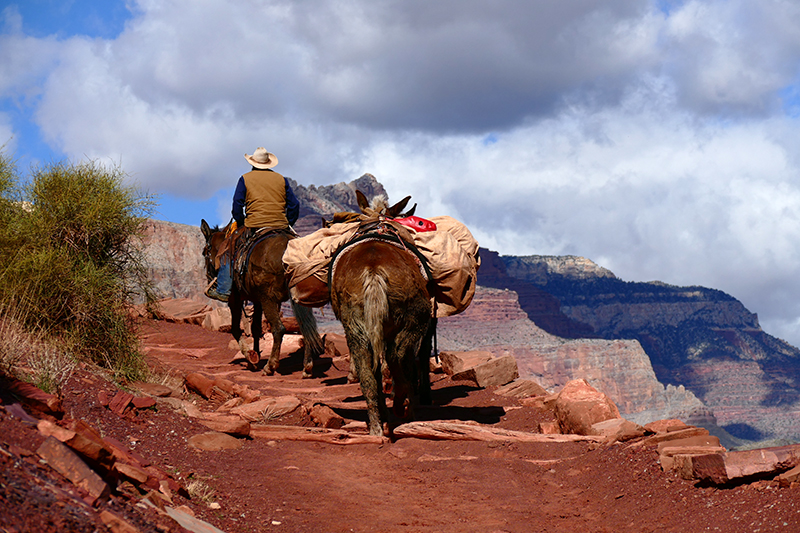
658 350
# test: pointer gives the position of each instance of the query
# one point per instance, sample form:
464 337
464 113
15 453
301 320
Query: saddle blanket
451 252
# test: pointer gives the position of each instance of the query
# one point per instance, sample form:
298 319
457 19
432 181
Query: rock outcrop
174 259
698 338
494 322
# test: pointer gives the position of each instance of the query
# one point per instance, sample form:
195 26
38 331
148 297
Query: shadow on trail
440 410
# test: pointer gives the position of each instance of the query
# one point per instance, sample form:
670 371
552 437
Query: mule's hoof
253 357
306 375
268 371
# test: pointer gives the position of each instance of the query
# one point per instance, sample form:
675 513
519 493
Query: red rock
16 410
549 428
697 440
290 323
791 476
496 371
123 454
521 388
82 439
69 465
665 426
617 429
33 397
103 398
325 417
674 435
232 425
200 384
734 466
218 319
131 472
267 408
143 402
119 403
116 524
579 406
679 458
455 362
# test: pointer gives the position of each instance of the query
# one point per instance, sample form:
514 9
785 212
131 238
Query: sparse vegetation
200 490
69 237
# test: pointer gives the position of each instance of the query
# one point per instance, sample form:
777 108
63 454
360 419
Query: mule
380 295
264 284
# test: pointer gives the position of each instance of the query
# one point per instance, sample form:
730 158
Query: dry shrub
31 358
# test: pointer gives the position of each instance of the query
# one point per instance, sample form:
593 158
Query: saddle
386 231
240 244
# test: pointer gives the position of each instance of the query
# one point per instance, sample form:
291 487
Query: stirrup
211 292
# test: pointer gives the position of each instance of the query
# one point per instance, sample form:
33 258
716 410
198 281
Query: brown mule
264 284
379 293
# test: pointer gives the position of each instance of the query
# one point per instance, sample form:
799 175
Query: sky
659 138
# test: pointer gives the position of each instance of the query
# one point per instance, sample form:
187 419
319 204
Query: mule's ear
363 203
205 228
410 211
397 208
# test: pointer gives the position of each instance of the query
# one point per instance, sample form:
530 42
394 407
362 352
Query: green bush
70 236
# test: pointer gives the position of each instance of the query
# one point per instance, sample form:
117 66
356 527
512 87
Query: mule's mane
380 203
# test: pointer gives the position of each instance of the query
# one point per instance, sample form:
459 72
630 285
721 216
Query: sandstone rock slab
494 372
232 425
214 441
521 388
617 429
579 406
69 465
454 362
267 408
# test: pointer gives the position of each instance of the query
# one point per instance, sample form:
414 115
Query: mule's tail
376 311
308 327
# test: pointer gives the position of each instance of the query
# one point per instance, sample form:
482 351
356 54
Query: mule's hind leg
272 312
235 305
369 376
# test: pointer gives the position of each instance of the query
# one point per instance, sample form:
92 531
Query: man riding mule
263 200
246 257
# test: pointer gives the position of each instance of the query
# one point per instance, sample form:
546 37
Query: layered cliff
495 322
699 338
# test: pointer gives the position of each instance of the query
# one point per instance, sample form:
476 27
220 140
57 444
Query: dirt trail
414 485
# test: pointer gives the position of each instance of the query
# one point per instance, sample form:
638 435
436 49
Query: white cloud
655 143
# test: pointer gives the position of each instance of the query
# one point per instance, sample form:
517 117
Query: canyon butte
659 351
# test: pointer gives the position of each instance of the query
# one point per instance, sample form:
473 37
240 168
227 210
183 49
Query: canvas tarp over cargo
451 252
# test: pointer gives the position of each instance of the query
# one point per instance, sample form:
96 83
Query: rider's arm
292 204
239 201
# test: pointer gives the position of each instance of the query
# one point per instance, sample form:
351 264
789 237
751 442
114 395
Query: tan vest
265 203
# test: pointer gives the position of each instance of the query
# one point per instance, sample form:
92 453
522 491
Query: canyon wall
699 338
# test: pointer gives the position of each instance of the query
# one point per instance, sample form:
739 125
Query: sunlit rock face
699 338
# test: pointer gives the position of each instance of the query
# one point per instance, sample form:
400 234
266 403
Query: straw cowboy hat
262 159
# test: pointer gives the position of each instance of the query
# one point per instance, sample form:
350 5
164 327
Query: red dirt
409 485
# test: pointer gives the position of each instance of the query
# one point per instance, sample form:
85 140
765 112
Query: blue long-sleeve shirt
240 197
